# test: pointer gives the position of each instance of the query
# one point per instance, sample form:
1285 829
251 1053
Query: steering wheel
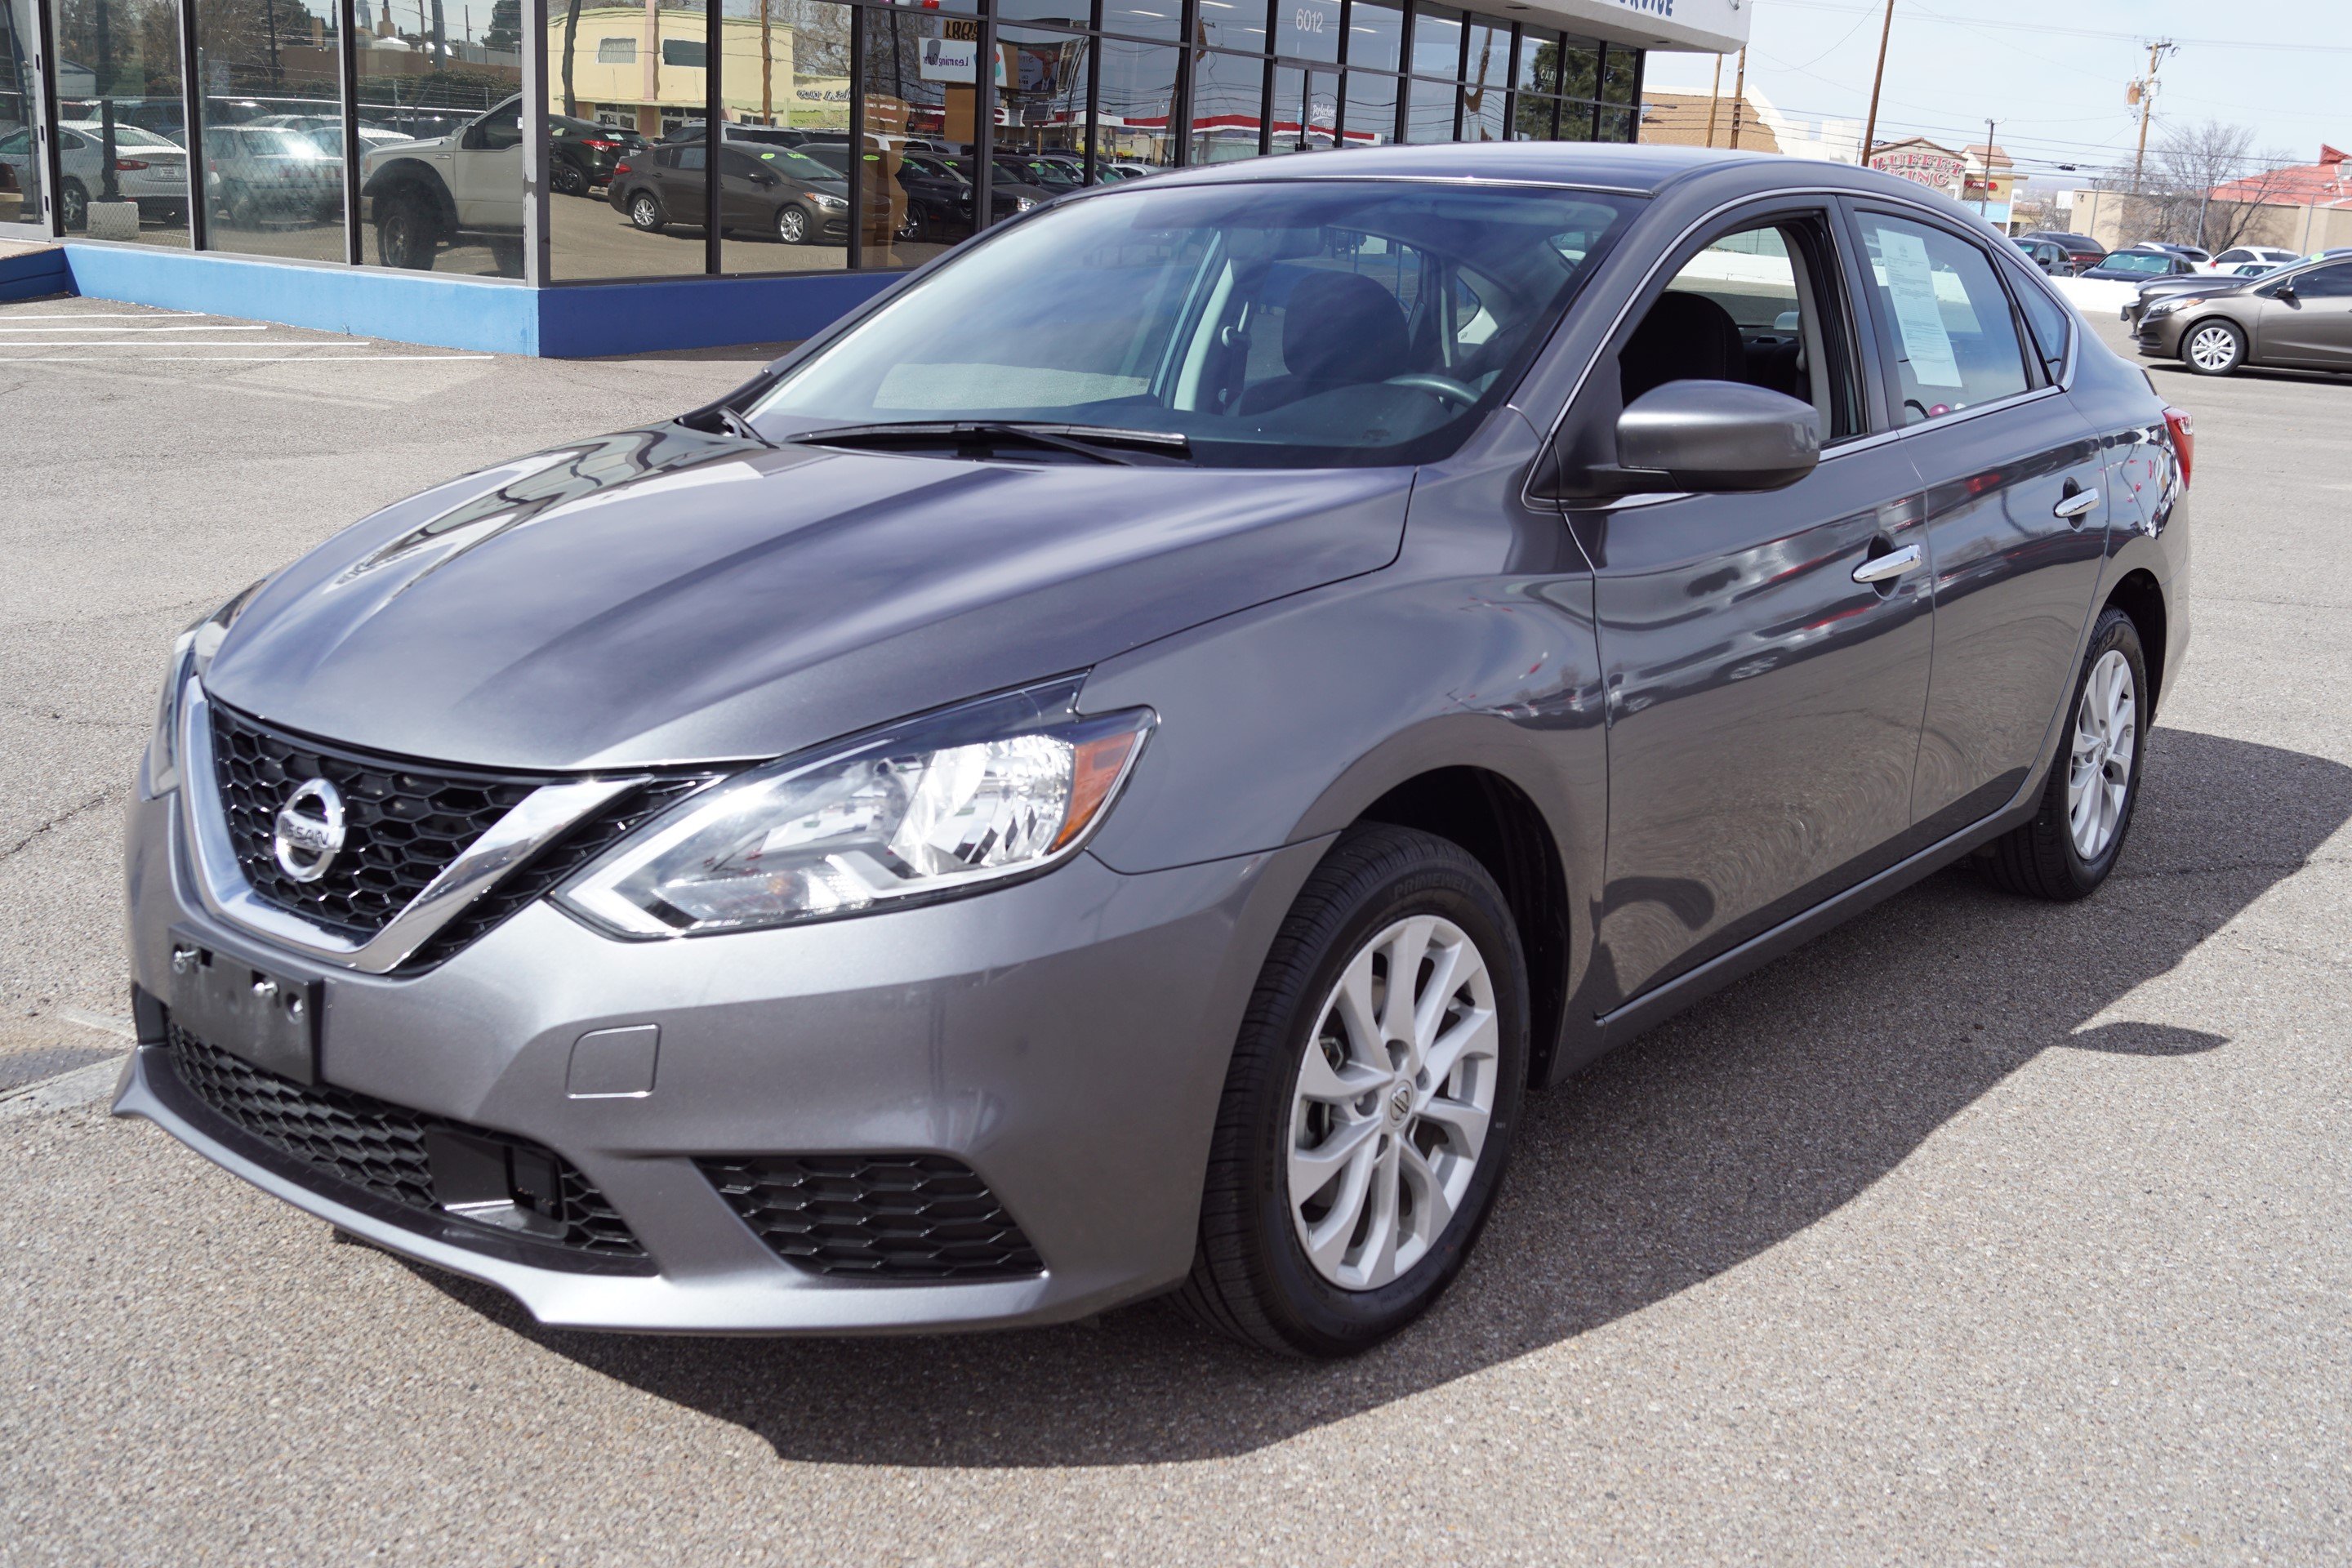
1444 386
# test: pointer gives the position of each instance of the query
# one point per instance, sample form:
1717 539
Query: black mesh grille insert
402 823
380 1148
883 1217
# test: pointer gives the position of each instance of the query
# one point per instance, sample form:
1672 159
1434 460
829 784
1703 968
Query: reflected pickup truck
465 186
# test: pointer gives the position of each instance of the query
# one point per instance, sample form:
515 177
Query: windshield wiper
1097 442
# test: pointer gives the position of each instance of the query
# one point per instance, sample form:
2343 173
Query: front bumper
1066 1038
2158 337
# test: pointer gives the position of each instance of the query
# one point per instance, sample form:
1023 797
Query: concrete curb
83 1085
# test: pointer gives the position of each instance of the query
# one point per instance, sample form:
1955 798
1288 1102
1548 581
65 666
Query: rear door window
1947 339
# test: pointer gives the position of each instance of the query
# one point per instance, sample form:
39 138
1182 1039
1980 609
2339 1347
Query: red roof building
2322 184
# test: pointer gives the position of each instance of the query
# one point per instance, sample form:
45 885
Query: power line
2300 48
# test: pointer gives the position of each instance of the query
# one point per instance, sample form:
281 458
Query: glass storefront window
1538 61
783 78
1616 125
1041 138
1488 61
273 128
1436 42
20 106
1371 109
127 91
1305 114
1429 110
1227 91
1376 35
1306 29
1580 69
1135 106
646 76
440 118
1165 18
1619 66
911 211
1533 118
1482 113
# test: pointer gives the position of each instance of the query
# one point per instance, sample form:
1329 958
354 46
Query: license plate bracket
264 1017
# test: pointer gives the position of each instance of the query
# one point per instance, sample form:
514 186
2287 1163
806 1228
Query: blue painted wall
484 314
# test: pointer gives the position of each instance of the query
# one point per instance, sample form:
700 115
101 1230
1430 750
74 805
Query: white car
148 169
2234 261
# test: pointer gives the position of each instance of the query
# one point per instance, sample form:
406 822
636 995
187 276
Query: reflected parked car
2233 261
2137 266
258 175
2298 317
581 153
775 191
148 169
1117 768
2081 251
2048 254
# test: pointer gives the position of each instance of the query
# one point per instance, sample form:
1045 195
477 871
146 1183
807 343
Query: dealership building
495 128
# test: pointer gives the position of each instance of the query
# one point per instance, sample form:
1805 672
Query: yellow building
643 66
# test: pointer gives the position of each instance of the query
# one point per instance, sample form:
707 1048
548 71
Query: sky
2053 75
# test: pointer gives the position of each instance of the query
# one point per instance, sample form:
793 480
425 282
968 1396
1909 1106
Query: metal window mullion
347 74
1179 112
536 144
45 121
1641 59
1461 73
1404 74
1266 105
192 100
714 15
1093 47
983 124
857 135
1511 84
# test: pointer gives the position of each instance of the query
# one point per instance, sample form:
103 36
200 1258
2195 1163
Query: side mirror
1708 436
2286 293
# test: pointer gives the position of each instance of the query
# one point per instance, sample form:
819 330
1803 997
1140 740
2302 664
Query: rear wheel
407 231
645 211
1368 1110
2214 347
73 206
2072 842
569 178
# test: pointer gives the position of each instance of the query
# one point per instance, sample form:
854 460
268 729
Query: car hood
665 596
2173 287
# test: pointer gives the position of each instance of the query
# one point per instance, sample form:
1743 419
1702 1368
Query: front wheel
406 231
2214 347
792 225
73 206
2072 842
1369 1108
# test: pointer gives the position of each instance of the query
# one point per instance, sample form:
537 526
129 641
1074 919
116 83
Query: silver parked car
1114 769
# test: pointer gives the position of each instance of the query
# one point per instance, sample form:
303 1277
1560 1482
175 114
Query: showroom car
774 191
148 169
2296 318
1115 769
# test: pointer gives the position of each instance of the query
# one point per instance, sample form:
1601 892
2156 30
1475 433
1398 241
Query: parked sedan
1116 768
2234 260
148 169
257 174
2298 318
582 152
772 190
2081 251
2139 266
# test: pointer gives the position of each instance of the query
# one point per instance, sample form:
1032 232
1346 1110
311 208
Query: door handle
1885 568
2074 506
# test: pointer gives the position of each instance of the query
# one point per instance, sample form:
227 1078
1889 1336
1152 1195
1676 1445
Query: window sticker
1918 316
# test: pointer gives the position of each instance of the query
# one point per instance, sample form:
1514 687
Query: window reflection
1225 23
1371 109
913 171
1227 94
273 128
122 134
440 140
20 172
1135 107
1376 35
1306 29
1305 114
643 77
1436 41
1429 113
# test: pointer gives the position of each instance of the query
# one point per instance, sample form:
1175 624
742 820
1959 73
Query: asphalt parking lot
1982 1230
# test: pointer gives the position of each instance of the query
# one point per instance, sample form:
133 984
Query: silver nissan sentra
1113 770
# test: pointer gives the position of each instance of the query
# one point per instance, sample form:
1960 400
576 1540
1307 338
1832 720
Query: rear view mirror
1710 437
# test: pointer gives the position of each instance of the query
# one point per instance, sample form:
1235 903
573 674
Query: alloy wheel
645 213
2214 347
74 204
1393 1099
792 226
2099 773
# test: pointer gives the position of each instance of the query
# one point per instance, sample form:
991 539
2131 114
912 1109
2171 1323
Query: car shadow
1695 1148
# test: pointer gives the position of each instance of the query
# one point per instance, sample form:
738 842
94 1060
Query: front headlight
2161 307
977 795
192 654
827 202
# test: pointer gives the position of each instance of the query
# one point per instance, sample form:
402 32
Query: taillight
126 165
620 168
2184 439
602 146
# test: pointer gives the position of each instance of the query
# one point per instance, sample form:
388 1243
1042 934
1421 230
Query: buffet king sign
1924 166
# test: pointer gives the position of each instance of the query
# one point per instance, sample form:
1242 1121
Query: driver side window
1751 308
501 130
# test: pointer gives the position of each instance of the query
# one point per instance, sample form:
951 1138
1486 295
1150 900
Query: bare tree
2176 200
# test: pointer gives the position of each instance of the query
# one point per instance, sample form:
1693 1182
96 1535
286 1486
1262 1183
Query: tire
1254 1275
2049 857
407 231
569 178
914 230
73 206
792 224
645 211
2213 347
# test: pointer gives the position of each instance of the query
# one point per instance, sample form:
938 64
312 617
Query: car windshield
799 165
1272 323
2151 261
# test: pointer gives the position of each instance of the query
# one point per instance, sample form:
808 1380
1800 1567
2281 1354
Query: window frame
1880 335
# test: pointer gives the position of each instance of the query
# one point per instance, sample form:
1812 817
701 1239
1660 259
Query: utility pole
1738 98
1984 198
2143 92
1870 127
1714 97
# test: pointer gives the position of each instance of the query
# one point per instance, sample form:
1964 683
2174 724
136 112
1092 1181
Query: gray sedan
2299 318
1116 769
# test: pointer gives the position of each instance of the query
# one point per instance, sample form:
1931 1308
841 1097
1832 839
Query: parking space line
8 326
235 342
219 359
